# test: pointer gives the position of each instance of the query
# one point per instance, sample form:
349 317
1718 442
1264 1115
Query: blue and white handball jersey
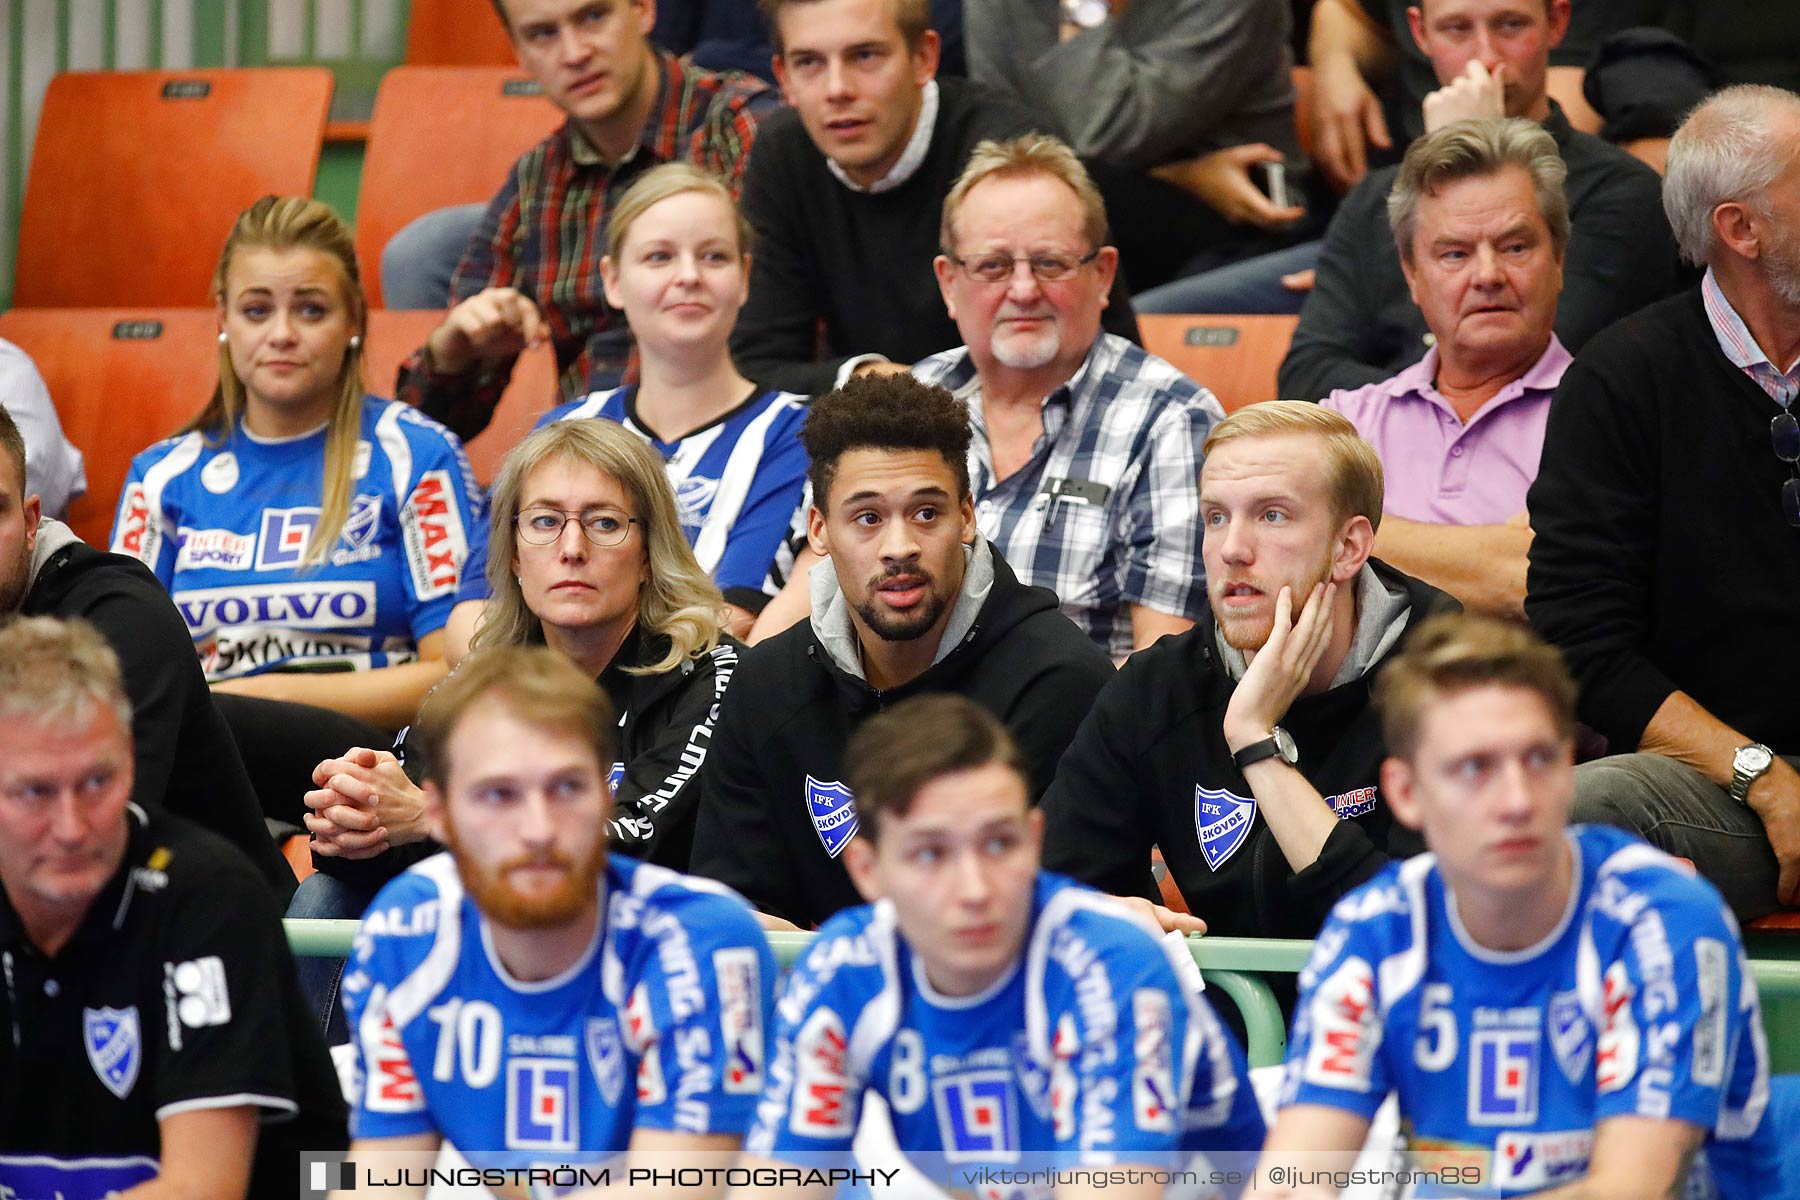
1638 1003
226 527
1091 1051
659 1025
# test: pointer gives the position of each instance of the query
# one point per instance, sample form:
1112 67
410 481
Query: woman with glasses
678 265
589 558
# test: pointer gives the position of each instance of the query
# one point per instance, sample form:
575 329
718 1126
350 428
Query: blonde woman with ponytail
304 529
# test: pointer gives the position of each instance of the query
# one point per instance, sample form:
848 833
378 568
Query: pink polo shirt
1441 471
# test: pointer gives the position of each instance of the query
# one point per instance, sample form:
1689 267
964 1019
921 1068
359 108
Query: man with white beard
1086 448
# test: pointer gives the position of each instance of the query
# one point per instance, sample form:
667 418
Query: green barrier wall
1235 966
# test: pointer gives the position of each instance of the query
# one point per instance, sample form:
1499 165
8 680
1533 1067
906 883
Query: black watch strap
1277 745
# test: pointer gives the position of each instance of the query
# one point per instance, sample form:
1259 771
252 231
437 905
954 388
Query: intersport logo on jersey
290 605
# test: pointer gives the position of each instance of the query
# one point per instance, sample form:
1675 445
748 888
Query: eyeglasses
1046 268
1784 432
544 526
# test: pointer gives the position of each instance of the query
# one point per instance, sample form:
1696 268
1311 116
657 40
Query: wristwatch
1277 745
1747 766
1086 14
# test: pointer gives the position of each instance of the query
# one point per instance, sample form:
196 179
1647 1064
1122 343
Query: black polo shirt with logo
176 993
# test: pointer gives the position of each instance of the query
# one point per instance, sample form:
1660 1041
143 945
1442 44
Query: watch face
1087 13
1284 743
1753 759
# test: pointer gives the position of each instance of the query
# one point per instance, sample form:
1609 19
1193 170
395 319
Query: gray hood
1381 615
52 535
831 611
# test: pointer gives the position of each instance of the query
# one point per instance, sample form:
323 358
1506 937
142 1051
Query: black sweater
1157 734
792 710
184 757
1360 326
1662 560
664 735
861 263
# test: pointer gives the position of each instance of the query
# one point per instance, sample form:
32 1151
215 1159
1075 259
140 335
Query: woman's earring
222 337
356 341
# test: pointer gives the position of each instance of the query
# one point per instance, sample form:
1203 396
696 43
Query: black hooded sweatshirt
1133 778
186 762
776 768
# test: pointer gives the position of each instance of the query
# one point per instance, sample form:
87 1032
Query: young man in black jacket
912 601
1246 748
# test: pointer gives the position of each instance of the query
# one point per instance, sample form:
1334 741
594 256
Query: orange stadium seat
490 115
1303 104
1787 921
1234 356
136 177
395 334
121 380
456 33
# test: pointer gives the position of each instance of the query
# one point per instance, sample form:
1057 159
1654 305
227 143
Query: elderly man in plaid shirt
532 269
1086 450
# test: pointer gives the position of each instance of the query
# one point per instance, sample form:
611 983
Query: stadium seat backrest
456 33
1236 357
395 334
137 176
121 380
441 136
1303 108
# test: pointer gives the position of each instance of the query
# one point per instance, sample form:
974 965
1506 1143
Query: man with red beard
524 996
1246 749
912 600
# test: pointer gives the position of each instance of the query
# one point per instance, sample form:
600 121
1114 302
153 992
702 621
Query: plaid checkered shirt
545 233
1106 512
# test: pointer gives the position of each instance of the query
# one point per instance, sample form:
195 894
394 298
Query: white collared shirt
907 165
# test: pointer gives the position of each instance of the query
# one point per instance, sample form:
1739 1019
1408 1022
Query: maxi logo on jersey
285 533
977 1116
1346 1028
822 1106
1223 820
432 527
833 813
541 1096
138 534
114 1042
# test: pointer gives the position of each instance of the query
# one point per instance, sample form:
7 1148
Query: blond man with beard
1246 748
525 996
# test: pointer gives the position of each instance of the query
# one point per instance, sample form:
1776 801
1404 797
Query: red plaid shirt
545 233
